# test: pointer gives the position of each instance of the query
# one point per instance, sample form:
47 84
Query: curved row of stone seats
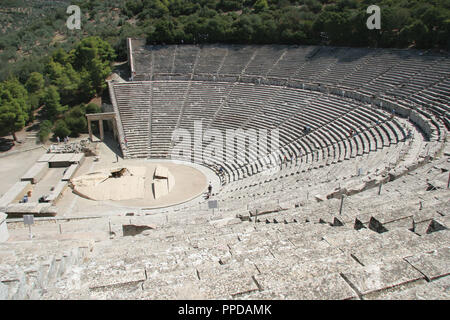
377 64
346 61
382 59
188 113
322 263
373 71
142 60
316 177
204 100
133 102
404 197
292 59
185 59
203 261
385 139
298 161
163 58
167 104
264 59
237 58
388 133
397 71
320 63
436 97
211 59
375 163
296 179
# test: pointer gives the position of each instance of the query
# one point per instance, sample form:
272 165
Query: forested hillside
404 23
44 64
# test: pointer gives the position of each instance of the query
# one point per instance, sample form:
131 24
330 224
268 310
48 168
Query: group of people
66 139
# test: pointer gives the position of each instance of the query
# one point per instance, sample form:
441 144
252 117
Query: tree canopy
14 107
43 63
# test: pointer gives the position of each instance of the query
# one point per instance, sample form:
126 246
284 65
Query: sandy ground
189 183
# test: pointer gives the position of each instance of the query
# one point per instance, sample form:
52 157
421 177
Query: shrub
93 108
61 129
45 130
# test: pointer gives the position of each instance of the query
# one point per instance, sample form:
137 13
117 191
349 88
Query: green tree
417 33
261 5
52 104
91 48
336 25
35 82
14 107
61 129
44 130
93 57
76 120
93 108
164 31
35 86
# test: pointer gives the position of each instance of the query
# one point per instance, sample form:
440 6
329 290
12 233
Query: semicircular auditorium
351 204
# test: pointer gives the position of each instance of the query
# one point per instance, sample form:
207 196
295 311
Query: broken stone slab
426 214
244 216
320 198
422 292
223 286
337 193
434 264
225 222
226 280
288 204
351 240
443 166
389 247
443 283
182 286
412 166
376 277
435 240
355 188
397 172
329 287
416 290
132 230
322 267
387 216
114 278
265 210
438 182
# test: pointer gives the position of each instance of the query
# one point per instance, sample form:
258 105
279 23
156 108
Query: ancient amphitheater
355 206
